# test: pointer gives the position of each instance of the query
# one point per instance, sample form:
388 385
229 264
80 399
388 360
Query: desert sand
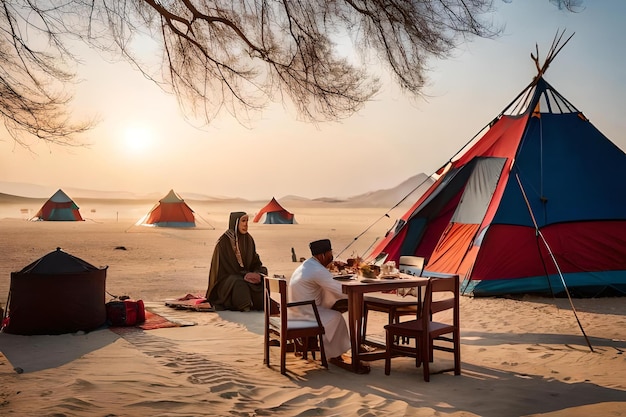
521 356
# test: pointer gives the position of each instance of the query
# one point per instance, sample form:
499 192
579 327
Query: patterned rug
155 321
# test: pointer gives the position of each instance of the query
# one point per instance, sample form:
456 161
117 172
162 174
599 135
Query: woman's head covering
233 222
233 233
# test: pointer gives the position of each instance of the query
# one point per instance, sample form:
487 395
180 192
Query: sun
138 140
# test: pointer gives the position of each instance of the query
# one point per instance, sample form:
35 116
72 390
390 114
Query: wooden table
355 290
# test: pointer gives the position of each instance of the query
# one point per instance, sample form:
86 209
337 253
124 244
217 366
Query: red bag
125 313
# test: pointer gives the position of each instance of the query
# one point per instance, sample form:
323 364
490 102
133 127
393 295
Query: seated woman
236 274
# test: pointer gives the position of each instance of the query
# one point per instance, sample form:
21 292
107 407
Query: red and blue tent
537 204
59 207
274 214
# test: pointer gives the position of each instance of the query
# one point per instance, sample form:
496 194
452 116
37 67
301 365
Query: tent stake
532 216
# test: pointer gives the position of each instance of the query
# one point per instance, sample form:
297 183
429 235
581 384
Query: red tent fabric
274 214
171 211
59 207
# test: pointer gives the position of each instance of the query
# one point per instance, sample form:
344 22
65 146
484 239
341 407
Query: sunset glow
138 140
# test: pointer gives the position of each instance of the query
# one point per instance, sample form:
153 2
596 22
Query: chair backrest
298 331
412 265
447 290
276 300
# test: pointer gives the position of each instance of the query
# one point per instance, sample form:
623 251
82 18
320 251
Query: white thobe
312 281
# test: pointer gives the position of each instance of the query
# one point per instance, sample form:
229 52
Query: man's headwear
320 246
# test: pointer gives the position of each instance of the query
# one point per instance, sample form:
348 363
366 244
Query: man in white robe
313 281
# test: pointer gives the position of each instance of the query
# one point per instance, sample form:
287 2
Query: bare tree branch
228 55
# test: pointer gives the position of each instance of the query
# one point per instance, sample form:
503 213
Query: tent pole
362 233
543 263
370 246
206 221
553 260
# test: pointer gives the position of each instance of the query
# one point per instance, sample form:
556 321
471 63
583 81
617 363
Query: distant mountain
109 195
293 198
410 189
26 190
206 198
40 191
13 199
387 198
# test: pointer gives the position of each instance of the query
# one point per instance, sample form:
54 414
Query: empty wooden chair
291 334
441 296
396 306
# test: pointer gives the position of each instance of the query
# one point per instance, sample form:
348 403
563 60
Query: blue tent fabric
276 218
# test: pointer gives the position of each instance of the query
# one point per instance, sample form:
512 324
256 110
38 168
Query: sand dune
520 357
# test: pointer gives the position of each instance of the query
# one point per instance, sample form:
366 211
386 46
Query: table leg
355 317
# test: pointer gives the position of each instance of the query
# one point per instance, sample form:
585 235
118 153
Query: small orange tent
274 214
59 207
171 211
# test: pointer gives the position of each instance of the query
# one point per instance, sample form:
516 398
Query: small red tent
274 214
59 207
171 211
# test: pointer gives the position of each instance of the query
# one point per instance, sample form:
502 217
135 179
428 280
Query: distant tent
170 211
58 293
540 171
274 214
59 207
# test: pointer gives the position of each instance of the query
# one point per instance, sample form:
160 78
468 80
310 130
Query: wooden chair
302 335
395 306
441 295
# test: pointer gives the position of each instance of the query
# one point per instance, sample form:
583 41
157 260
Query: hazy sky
390 140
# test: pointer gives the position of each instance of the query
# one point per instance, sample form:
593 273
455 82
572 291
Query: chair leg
400 339
457 352
305 348
309 346
322 353
426 356
431 350
389 340
283 355
316 345
393 313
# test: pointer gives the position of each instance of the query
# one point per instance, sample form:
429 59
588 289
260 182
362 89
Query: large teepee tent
59 207
274 214
535 205
170 211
